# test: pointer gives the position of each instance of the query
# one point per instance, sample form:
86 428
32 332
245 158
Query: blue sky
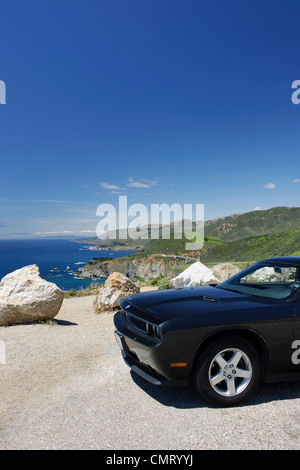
164 101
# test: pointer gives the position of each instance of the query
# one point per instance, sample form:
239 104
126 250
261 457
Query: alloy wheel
230 372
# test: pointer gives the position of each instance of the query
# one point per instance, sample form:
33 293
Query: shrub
163 283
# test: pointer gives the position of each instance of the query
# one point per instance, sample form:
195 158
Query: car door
277 327
295 346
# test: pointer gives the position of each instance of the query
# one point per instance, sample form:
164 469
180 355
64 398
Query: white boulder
117 286
269 274
195 275
26 297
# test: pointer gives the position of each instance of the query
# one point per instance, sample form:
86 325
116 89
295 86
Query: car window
271 274
270 281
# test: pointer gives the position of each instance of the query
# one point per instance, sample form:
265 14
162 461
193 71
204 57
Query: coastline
58 260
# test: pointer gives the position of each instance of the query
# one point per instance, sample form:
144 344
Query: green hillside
254 248
242 237
171 246
249 249
239 237
250 224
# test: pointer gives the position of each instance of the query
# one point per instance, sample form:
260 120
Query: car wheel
227 372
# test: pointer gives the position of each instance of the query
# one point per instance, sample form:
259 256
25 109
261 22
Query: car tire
227 372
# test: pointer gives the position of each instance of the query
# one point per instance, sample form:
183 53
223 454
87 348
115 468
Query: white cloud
64 232
137 184
140 184
115 189
111 187
296 180
269 186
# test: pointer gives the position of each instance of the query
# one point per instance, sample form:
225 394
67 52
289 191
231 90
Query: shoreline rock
150 266
26 297
116 287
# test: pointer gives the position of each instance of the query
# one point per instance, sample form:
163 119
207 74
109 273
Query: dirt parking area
64 386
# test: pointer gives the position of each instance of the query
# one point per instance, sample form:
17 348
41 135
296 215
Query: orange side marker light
178 364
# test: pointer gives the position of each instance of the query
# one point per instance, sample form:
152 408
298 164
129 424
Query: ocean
51 255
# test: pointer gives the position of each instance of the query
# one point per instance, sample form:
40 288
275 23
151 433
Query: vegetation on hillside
254 248
254 223
237 238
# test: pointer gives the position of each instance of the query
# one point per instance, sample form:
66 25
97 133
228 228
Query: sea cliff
150 266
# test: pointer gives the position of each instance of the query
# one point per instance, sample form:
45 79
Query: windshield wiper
256 286
231 290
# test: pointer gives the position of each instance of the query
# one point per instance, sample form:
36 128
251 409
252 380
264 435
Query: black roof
284 259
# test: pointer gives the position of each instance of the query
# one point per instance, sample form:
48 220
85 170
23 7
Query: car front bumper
149 361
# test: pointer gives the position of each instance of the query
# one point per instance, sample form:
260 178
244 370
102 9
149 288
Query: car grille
142 326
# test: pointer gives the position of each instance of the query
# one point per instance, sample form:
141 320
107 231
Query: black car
224 338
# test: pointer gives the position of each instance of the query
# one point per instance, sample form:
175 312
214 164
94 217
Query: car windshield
270 280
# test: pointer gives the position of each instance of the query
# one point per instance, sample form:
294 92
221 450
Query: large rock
26 297
117 286
224 271
269 274
195 275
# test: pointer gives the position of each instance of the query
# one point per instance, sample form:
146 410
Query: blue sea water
49 254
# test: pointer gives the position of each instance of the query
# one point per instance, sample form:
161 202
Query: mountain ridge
226 228
258 222
234 244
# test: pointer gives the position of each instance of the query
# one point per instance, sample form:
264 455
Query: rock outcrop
224 271
117 286
26 297
195 275
151 266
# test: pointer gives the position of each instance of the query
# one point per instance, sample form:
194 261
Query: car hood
173 303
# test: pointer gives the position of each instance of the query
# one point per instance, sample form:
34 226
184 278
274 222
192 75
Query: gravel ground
65 386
